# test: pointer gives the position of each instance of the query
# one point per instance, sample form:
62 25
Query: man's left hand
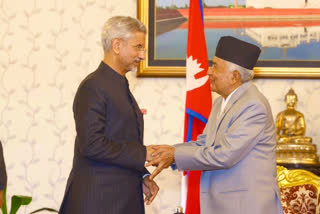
150 190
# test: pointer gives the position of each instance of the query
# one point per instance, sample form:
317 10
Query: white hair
121 27
246 74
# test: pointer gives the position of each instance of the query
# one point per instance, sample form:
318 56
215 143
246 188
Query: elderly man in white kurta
236 151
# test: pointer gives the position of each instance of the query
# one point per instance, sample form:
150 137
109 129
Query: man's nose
142 54
210 71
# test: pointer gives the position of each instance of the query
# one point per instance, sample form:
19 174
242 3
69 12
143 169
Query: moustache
137 60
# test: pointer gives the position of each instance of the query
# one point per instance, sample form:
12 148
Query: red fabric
300 199
198 100
193 194
319 203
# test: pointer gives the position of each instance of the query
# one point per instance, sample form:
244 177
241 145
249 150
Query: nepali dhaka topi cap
238 52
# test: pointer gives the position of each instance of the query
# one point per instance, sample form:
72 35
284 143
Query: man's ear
236 76
116 43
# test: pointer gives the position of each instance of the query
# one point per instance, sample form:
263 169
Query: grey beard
135 69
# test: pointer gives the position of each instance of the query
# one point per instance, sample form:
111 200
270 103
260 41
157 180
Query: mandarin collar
115 75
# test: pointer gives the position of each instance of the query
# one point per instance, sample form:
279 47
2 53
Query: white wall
46 48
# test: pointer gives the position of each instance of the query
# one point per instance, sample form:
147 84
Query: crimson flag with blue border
198 95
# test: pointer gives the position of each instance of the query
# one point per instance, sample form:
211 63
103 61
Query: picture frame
153 67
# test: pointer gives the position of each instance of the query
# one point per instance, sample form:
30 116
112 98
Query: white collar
225 101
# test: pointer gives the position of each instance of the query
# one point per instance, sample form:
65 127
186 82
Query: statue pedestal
315 169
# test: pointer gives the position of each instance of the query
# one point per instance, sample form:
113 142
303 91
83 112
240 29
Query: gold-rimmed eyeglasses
140 48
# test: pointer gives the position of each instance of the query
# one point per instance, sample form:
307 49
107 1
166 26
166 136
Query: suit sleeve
3 172
243 133
90 118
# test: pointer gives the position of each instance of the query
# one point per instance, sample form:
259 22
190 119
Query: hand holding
150 150
163 157
150 189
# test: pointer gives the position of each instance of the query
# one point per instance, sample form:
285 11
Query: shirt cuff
173 166
145 175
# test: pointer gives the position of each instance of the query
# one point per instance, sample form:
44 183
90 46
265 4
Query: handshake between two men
160 156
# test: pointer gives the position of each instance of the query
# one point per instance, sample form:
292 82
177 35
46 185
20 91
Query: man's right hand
150 150
162 158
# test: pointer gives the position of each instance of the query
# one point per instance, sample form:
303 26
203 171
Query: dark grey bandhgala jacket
109 156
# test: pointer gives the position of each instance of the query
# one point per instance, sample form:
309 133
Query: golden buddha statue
290 123
292 144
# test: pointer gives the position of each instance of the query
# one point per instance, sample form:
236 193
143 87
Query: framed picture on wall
288 33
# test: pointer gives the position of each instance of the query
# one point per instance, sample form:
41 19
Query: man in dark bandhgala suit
108 174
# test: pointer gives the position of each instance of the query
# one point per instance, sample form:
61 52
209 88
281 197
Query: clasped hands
160 156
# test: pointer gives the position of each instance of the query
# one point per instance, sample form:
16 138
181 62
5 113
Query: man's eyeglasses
140 48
